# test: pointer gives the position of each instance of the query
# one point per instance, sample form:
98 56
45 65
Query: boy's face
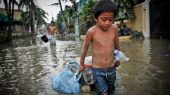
105 20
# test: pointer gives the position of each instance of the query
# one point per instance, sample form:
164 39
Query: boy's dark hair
104 6
52 22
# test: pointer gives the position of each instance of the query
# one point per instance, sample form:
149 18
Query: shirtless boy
52 30
104 39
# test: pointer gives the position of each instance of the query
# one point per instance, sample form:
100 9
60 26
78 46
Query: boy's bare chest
103 38
51 29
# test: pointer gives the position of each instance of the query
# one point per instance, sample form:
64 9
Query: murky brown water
26 66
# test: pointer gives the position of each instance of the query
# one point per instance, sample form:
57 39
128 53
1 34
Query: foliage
30 5
67 11
40 16
59 21
125 9
25 17
33 14
86 13
66 16
62 12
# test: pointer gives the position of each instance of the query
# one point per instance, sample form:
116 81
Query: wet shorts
51 39
104 80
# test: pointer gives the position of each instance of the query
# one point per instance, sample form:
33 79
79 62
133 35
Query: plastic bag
67 82
72 66
120 56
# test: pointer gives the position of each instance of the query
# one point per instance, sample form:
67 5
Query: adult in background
51 32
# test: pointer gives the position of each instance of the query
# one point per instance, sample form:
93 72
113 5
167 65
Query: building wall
17 14
16 27
142 21
19 28
137 23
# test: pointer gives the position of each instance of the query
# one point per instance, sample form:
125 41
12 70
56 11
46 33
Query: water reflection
26 66
52 51
146 73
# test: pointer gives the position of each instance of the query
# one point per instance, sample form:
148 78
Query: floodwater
27 65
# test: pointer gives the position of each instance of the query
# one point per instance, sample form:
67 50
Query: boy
104 39
52 30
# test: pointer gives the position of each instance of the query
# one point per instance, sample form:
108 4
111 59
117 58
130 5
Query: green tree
62 12
40 16
30 6
25 18
125 10
87 12
59 21
67 13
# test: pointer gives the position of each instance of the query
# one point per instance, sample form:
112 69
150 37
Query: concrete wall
142 21
137 23
17 14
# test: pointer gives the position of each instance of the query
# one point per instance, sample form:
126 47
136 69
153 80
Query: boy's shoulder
114 26
92 29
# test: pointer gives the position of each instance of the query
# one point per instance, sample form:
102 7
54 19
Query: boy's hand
81 67
117 63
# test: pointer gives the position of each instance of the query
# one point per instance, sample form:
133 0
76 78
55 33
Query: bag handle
78 75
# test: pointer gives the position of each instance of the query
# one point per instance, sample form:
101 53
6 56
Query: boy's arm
56 30
117 45
86 45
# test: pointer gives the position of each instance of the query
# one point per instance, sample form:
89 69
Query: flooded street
26 66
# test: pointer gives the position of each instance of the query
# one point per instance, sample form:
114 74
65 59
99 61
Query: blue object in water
66 82
119 56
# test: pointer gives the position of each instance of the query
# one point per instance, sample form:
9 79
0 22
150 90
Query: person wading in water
52 30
